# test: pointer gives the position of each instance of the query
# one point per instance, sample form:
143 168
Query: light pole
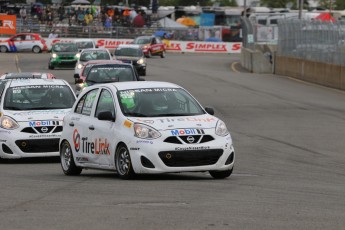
301 3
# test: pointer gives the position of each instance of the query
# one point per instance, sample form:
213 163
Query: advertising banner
7 24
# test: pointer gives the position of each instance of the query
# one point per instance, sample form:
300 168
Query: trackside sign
7 24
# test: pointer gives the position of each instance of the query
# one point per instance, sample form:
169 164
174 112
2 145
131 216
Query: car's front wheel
50 66
67 161
36 49
149 54
163 54
123 163
221 174
3 49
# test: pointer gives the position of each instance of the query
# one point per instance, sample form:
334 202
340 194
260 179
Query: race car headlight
145 47
141 61
79 66
221 129
8 123
145 132
80 86
77 55
54 55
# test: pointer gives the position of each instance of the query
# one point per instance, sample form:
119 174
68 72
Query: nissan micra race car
144 127
23 42
31 113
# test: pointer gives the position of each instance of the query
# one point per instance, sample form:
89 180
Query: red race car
151 45
23 42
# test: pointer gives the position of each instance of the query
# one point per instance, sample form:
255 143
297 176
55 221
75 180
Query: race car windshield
129 52
115 73
142 41
158 102
84 45
65 47
38 97
94 55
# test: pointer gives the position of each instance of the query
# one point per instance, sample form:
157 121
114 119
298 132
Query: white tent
80 2
169 23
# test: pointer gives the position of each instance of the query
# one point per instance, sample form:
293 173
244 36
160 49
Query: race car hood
37 115
65 54
205 121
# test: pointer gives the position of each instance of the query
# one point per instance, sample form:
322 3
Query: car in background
132 54
151 45
144 127
107 73
90 55
63 54
23 42
32 111
24 75
85 44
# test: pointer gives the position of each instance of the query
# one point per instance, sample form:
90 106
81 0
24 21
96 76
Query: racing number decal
76 140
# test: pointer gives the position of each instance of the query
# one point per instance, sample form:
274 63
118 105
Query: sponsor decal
43 123
5 131
208 119
144 142
128 124
145 121
236 47
192 148
82 159
180 132
41 112
136 149
98 146
3 140
173 46
206 47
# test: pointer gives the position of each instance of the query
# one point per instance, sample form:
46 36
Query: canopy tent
80 2
325 17
169 23
186 21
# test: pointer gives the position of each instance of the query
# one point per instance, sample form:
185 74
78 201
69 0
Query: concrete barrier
257 61
321 73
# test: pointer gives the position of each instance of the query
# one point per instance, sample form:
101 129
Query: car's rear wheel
3 49
221 174
36 49
163 54
123 163
67 161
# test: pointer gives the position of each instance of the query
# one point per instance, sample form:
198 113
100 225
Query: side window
105 103
85 104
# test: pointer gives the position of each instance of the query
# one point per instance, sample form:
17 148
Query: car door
28 43
18 43
82 124
103 134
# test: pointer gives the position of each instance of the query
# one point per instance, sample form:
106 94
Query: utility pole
245 8
301 3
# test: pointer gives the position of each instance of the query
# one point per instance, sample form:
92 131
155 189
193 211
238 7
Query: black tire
36 49
3 49
221 174
50 66
143 73
123 163
163 54
67 162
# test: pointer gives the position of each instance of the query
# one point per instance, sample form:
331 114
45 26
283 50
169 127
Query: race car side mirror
209 110
106 116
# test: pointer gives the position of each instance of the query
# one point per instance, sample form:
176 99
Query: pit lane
289 171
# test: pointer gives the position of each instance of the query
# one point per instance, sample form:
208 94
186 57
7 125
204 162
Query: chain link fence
312 40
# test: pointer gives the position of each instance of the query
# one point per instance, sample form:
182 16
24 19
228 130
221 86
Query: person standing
154 7
22 14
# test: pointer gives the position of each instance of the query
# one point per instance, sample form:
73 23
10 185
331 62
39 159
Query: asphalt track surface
289 173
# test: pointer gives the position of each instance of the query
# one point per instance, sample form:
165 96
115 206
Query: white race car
144 127
90 55
31 113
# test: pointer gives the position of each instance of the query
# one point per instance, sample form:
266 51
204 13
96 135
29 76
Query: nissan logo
190 139
44 129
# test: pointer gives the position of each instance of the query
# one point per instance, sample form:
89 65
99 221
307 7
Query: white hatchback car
89 55
144 127
31 113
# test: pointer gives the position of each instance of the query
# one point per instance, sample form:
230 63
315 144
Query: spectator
22 13
154 5
53 34
49 18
